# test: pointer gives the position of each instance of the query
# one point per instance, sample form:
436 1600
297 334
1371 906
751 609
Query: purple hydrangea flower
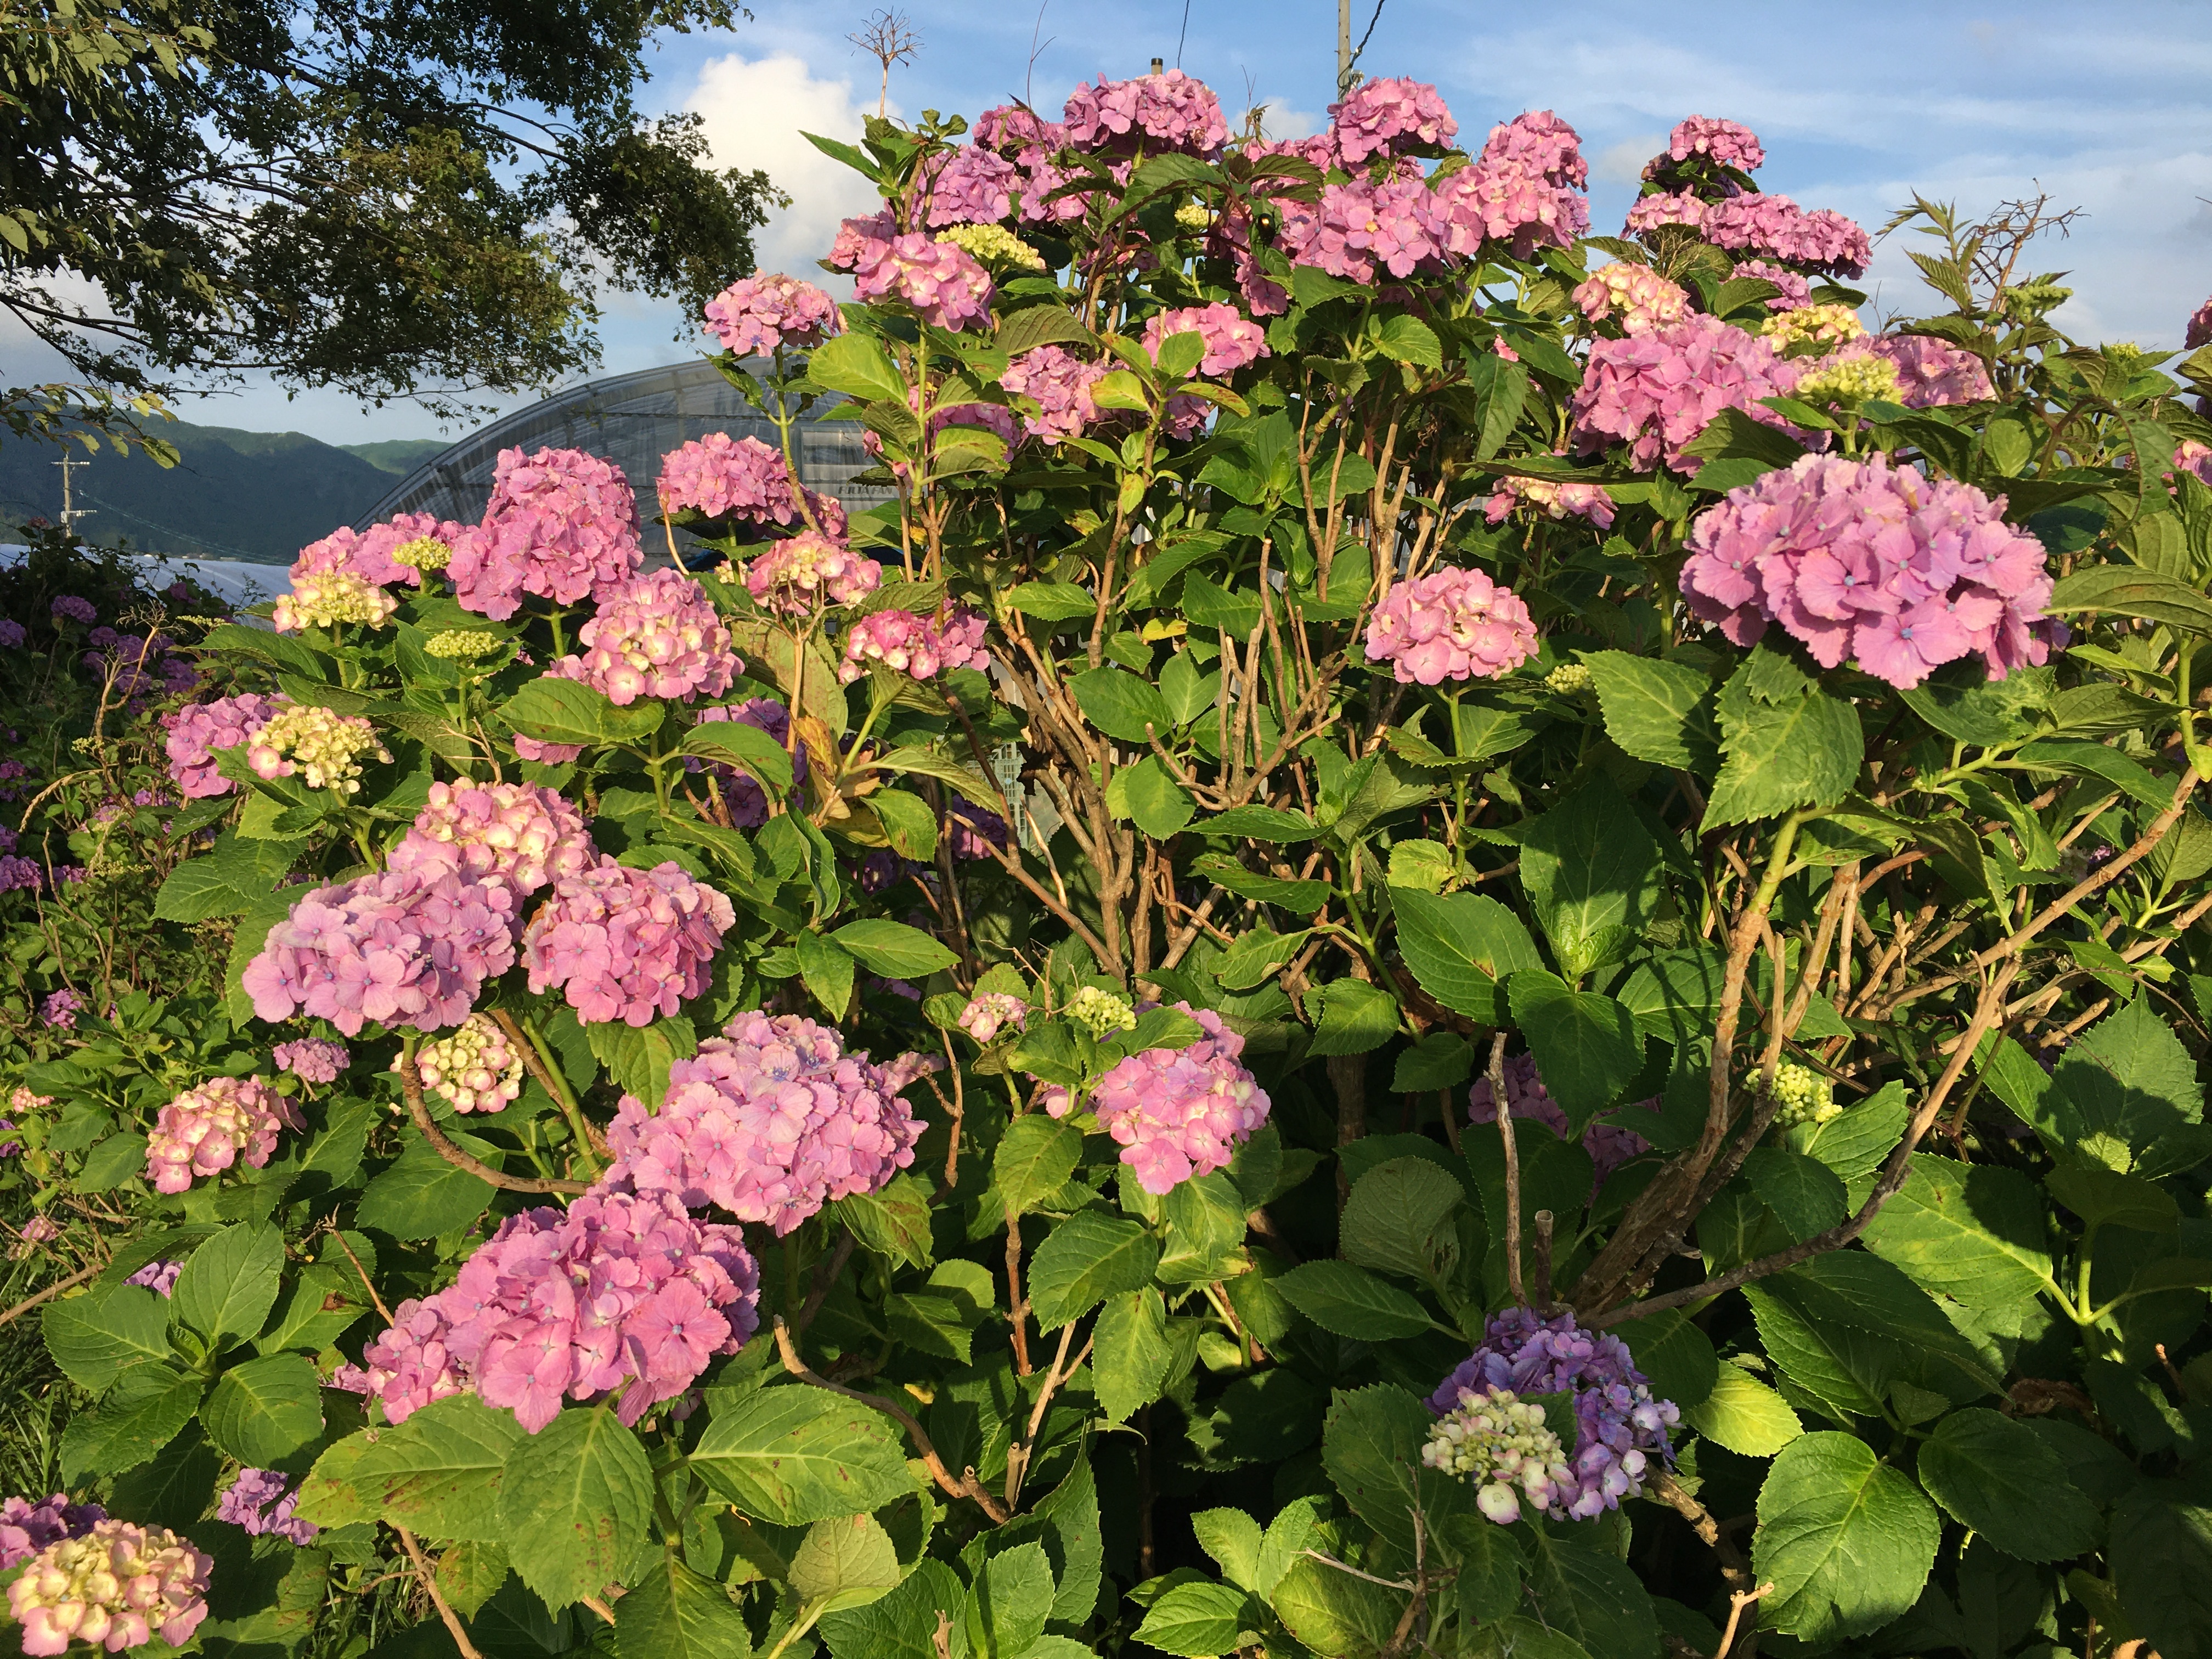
262 1501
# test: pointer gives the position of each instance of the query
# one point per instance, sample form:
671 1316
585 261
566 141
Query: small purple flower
69 604
262 1501
26 1528
60 1009
11 636
157 1276
311 1060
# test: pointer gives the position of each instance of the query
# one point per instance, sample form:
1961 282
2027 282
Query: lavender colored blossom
940 281
1658 391
654 636
1619 1426
745 479
203 1131
1523 191
747 800
1608 1147
1391 116
116 1587
197 731
761 314
1061 383
312 1059
2199 331
1706 138
989 1012
393 947
624 943
523 835
20 874
60 1008
770 1121
157 1276
26 1528
1930 373
560 523
1451 625
262 1501
1854 558
1180 1114
71 608
973 832
972 185
12 636
1795 291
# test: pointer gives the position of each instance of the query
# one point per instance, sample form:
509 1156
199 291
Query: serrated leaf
1743 1415
97 1336
1658 711
1130 1351
846 1562
438 1473
1999 1477
892 949
1586 1045
1085 1259
230 1284
265 1410
1199 1618
1847 1540
1036 1156
1400 1219
1348 1300
141 1414
1785 744
1460 946
794 1454
574 1503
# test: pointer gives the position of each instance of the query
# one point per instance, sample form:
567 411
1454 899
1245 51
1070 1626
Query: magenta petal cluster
1061 382
197 731
117 1586
1658 390
1231 338
920 647
1708 138
312 1059
797 576
560 524
1554 499
1776 227
1608 1146
989 1012
1389 116
747 801
2199 331
621 1295
523 835
157 1276
1523 191
624 943
1796 292
1179 1114
1170 110
972 185
1619 1426
742 479
26 1528
770 1121
757 314
1930 373
394 947
262 1501
366 554
203 1131
1857 559
654 636
1451 625
941 282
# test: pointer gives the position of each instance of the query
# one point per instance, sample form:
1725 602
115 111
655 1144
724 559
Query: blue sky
2105 106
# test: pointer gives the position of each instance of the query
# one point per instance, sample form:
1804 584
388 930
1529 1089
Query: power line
1181 36
1345 76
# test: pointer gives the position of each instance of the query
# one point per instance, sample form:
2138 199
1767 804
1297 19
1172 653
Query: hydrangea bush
1455 937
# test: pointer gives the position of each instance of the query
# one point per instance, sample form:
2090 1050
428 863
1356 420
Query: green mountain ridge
234 495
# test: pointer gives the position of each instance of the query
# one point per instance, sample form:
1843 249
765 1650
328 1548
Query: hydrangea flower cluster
203 1131
1796 291
1707 138
763 313
522 835
1170 110
994 244
624 943
1179 1114
2199 331
59 1009
941 280
157 1276
462 644
26 1528
746 800
796 576
1822 327
989 1012
70 607
1636 296
322 746
1619 1426
1499 1445
1390 117
371 554
1061 382
1803 1096
331 598
1552 497
262 1501
393 947
1102 1013
312 1059
560 523
621 1291
475 1070
1929 371
726 477
20 874
424 553
971 188
1608 1146
1231 339
118 1586
1657 391
656 635
12 634
1451 625
135 666
1847 381
1764 227
770 1121
973 832
918 646
1854 558
195 732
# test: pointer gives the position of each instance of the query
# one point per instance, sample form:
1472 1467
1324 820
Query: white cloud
755 111
1623 163
1283 121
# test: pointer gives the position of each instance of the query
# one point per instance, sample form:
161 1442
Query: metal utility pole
70 513
1343 46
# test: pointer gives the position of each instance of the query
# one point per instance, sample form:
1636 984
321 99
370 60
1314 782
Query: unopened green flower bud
1568 679
1850 380
1193 215
1803 1096
1101 1012
995 245
424 553
461 645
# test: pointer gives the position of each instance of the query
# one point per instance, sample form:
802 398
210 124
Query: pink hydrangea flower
742 479
476 1069
621 1295
1609 1147
157 1276
989 1012
26 1528
760 313
1797 292
2199 332
2190 456
1180 1114
367 554
654 636
624 943
118 1586
1061 382
1231 339
312 1059
771 1121
394 947
1707 138
262 1501
1523 190
1776 227
1170 110
1550 496
520 834
919 647
973 832
1636 296
747 800
942 283
1658 391
972 185
797 575
1929 372
560 523
1854 558
203 1131
195 732
1451 625
1650 213
1389 116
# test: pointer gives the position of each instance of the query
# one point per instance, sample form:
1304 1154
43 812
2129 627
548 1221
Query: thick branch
410 1085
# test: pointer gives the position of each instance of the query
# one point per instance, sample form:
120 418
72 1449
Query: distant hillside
235 495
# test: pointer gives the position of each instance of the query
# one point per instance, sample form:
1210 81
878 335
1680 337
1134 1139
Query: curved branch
411 1086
